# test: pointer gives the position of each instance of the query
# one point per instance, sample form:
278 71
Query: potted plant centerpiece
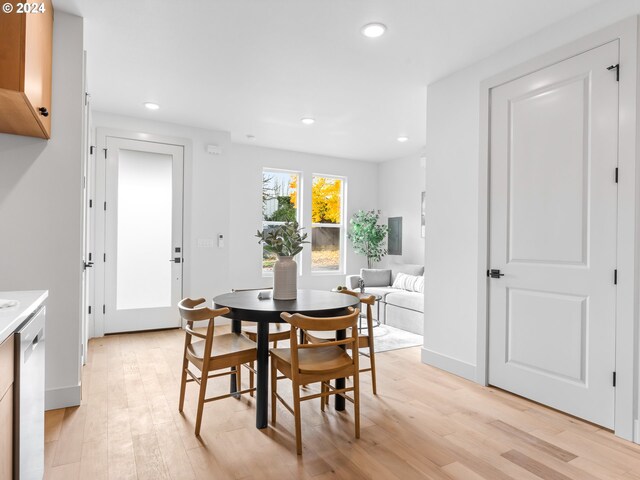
285 241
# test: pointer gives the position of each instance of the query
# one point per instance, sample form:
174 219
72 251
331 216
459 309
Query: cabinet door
6 435
11 32
37 62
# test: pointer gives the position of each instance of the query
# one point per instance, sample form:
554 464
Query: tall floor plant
367 237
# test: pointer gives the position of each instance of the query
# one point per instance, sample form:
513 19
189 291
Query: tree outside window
279 205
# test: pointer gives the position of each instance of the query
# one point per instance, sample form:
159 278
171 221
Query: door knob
493 273
88 265
176 260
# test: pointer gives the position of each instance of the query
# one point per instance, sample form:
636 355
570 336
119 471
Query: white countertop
12 317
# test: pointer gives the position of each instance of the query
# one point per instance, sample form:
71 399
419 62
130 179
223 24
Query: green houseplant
285 241
367 237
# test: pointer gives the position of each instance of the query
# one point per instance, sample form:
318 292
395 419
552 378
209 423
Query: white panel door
143 235
553 201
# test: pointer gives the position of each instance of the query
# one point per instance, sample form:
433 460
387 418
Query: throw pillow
408 269
411 283
375 277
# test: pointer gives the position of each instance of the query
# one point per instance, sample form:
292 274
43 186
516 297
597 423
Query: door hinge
92 148
616 174
105 152
104 257
89 309
614 379
615 276
104 309
105 206
90 203
90 255
615 67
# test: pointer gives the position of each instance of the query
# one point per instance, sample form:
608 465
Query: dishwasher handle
31 346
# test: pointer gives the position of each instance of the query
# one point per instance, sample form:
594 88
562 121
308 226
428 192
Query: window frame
343 235
269 273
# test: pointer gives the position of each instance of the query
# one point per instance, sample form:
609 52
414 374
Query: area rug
390 338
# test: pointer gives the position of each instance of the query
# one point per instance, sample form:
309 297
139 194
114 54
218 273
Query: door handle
176 260
493 273
88 265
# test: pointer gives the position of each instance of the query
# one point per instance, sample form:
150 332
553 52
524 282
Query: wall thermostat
214 150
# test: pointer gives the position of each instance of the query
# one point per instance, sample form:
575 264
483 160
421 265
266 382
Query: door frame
100 193
628 220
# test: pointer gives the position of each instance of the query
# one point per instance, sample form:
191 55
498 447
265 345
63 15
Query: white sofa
398 308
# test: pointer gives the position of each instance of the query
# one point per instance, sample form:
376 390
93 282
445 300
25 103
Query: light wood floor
424 423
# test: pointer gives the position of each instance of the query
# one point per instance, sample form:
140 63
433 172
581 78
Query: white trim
100 195
449 364
626 32
63 397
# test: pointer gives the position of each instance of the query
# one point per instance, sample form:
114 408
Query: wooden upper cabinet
25 70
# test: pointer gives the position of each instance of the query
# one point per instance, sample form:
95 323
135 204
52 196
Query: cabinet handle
43 111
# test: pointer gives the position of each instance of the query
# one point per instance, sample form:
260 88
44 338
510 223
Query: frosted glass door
144 230
144 235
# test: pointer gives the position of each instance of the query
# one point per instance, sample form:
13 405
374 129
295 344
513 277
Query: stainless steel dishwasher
29 400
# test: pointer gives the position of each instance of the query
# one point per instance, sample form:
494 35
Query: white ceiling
258 66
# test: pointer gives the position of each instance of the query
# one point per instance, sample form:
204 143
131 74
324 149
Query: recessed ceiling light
251 137
308 120
403 139
151 105
374 30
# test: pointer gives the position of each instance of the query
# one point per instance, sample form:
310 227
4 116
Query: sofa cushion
382 291
404 299
411 283
374 277
409 269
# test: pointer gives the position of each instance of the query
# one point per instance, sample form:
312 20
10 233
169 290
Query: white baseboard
449 364
636 431
62 397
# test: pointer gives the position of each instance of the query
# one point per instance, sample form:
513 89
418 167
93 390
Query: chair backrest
190 313
303 322
365 298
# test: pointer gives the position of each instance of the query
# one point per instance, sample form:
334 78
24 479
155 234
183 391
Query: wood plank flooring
424 423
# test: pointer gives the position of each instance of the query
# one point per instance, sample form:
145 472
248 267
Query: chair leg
204 376
183 383
356 402
372 360
372 352
323 389
238 378
296 414
274 389
251 375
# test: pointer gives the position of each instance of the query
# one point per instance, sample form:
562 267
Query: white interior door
143 235
553 205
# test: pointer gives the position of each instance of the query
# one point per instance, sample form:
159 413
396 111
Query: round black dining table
245 305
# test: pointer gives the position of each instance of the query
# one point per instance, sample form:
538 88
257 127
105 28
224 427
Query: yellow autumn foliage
325 198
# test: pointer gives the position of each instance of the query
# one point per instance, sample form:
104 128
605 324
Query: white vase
285 279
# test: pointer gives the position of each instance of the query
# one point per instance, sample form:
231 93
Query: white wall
246 209
453 128
40 214
206 198
400 186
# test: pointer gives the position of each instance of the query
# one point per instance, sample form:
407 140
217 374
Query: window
326 228
280 202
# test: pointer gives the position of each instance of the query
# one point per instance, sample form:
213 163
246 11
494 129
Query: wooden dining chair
309 363
211 353
364 341
277 332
